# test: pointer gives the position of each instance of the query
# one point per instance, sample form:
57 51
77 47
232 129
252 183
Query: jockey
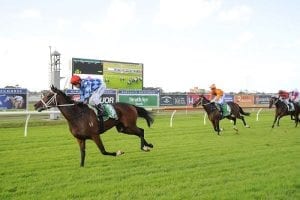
217 95
90 92
284 96
294 96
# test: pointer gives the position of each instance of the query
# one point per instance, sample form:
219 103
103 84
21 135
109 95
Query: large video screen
117 75
81 66
123 75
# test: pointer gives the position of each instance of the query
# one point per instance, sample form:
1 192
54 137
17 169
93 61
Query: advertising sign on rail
13 98
143 98
244 100
228 98
262 99
192 97
172 100
109 96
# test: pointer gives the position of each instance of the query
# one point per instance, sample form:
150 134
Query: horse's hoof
150 145
119 152
247 126
146 148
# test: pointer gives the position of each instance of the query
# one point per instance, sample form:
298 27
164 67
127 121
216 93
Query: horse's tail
142 112
243 112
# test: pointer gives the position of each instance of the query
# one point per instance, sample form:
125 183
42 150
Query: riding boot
290 107
100 110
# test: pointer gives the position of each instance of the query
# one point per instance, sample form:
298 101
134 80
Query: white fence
28 114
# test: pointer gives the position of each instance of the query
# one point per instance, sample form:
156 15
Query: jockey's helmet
213 86
75 80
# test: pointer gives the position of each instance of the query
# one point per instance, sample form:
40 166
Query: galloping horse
282 110
215 116
83 123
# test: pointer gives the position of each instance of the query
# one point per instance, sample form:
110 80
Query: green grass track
188 161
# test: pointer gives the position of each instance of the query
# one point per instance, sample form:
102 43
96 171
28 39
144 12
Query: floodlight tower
54 74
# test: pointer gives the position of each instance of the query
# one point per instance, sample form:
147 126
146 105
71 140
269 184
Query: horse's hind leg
244 122
145 146
82 151
296 119
144 140
234 123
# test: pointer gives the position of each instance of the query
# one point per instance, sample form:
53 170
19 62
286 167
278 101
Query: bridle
274 100
200 102
53 100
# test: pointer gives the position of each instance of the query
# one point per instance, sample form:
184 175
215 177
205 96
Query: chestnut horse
83 122
215 116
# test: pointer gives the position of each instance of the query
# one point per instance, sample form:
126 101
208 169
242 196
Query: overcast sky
237 44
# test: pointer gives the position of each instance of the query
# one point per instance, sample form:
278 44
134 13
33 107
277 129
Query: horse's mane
56 90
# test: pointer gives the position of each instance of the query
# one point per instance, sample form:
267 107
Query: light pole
54 74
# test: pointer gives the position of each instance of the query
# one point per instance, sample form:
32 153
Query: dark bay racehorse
282 110
83 123
215 116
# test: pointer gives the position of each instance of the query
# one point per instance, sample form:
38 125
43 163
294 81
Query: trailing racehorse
83 123
282 110
214 115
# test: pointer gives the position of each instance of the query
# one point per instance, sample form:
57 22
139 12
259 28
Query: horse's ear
53 88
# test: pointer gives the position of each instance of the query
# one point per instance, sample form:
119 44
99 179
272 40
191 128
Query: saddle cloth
225 109
108 112
290 106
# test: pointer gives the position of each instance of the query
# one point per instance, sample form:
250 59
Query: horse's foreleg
100 146
214 126
234 125
217 126
274 121
278 120
82 151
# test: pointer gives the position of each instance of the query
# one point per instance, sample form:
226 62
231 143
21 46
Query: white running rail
28 114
